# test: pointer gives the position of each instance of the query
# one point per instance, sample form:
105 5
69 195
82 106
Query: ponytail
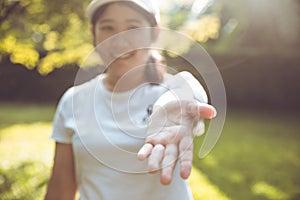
154 71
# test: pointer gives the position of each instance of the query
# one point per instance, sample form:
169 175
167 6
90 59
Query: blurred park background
254 43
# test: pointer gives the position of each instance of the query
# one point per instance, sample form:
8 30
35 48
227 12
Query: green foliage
178 19
44 34
202 188
26 180
25 150
49 34
208 27
12 114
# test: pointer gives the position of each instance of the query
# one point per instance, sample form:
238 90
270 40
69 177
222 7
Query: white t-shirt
106 130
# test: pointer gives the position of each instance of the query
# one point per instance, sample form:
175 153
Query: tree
44 33
48 34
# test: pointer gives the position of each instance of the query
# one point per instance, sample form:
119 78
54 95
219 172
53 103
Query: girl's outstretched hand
170 137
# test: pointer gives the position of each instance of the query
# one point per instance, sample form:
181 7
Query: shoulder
78 92
84 88
178 79
182 74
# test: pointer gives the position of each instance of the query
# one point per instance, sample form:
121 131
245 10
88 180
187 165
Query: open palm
170 137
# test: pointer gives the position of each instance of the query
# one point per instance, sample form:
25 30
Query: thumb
201 110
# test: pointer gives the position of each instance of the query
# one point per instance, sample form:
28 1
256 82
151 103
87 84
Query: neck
123 83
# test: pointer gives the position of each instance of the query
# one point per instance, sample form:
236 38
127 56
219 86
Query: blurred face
120 28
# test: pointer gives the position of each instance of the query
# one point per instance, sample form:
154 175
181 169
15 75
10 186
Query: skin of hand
170 137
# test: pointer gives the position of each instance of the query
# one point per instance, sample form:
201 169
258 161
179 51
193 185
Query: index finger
145 151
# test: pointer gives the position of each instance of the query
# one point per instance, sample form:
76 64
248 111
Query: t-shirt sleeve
182 86
62 130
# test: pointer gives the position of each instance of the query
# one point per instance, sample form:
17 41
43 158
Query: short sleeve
183 86
63 130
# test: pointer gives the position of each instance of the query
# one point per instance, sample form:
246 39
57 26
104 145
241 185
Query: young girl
101 125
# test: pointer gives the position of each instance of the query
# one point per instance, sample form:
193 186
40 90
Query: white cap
148 5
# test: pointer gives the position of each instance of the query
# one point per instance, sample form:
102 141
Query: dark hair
153 71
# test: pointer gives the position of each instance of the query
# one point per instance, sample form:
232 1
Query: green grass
257 156
25 150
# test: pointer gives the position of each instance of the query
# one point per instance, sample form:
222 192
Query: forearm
60 190
62 184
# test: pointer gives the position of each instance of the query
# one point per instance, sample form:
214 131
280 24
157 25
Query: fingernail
214 113
141 154
142 151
